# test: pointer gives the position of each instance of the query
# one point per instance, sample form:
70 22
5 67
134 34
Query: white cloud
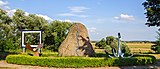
74 12
77 9
26 13
45 17
92 29
67 14
68 20
3 5
10 12
125 17
72 15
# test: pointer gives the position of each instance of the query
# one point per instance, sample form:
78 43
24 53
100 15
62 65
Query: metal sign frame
30 31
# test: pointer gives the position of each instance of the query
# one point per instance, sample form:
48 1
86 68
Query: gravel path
5 65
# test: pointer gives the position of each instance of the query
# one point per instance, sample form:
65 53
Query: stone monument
77 42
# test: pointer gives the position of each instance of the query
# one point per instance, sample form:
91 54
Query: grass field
97 50
140 47
134 47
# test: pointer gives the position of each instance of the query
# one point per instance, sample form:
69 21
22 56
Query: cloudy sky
101 17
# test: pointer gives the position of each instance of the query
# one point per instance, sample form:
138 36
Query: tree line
53 32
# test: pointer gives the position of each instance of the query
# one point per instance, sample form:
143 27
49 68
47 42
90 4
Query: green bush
48 55
77 62
112 43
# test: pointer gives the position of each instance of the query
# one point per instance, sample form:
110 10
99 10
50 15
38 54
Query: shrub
52 54
156 47
77 62
101 44
112 43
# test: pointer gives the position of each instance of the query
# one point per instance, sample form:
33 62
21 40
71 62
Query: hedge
50 55
77 62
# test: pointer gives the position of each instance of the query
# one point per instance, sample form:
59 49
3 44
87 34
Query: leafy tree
156 47
20 20
5 30
152 13
57 33
125 49
28 22
10 35
101 44
112 42
109 40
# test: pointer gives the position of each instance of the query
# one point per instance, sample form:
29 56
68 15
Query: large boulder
77 42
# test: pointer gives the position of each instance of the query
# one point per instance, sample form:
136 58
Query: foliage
156 47
152 12
57 33
112 42
10 35
48 55
77 62
101 43
6 31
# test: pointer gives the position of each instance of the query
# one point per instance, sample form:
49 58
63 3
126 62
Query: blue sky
101 17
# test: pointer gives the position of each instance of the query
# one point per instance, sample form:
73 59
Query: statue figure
35 50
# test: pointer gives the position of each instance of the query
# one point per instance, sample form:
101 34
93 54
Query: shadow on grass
101 55
3 55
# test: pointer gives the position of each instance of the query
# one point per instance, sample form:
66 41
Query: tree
152 13
20 20
101 44
10 30
109 40
5 30
112 43
29 22
156 47
58 31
